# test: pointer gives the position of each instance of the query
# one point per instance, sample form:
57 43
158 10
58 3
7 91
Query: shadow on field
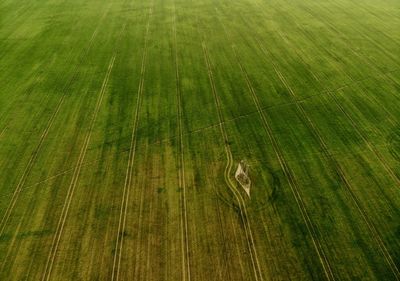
26 234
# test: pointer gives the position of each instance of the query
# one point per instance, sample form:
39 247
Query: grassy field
122 124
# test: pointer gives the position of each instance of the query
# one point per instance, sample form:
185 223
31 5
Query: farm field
122 124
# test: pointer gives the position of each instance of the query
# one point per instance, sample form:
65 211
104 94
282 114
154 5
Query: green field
122 124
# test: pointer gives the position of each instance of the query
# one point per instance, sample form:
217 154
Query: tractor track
43 136
129 169
38 75
339 170
284 166
242 207
181 173
71 189
330 93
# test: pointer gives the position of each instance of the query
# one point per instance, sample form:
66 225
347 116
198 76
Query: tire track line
237 246
2 131
129 169
66 171
181 172
346 41
370 146
384 74
71 189
339 170
38 75
28 168
10 248
148 246
139 229
43 137
366 36
375 233
312 229
242 208
330 93
137 272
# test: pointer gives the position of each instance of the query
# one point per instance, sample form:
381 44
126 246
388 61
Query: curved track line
289 175
66 171
292 182
231 185
375 233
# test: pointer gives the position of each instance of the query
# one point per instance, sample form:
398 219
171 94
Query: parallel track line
288 174
129 169
43 137
181 173
375 233
71 189
228 168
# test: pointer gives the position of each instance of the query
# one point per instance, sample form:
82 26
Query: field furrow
199 140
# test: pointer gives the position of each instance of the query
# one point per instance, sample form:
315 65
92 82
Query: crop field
124 125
